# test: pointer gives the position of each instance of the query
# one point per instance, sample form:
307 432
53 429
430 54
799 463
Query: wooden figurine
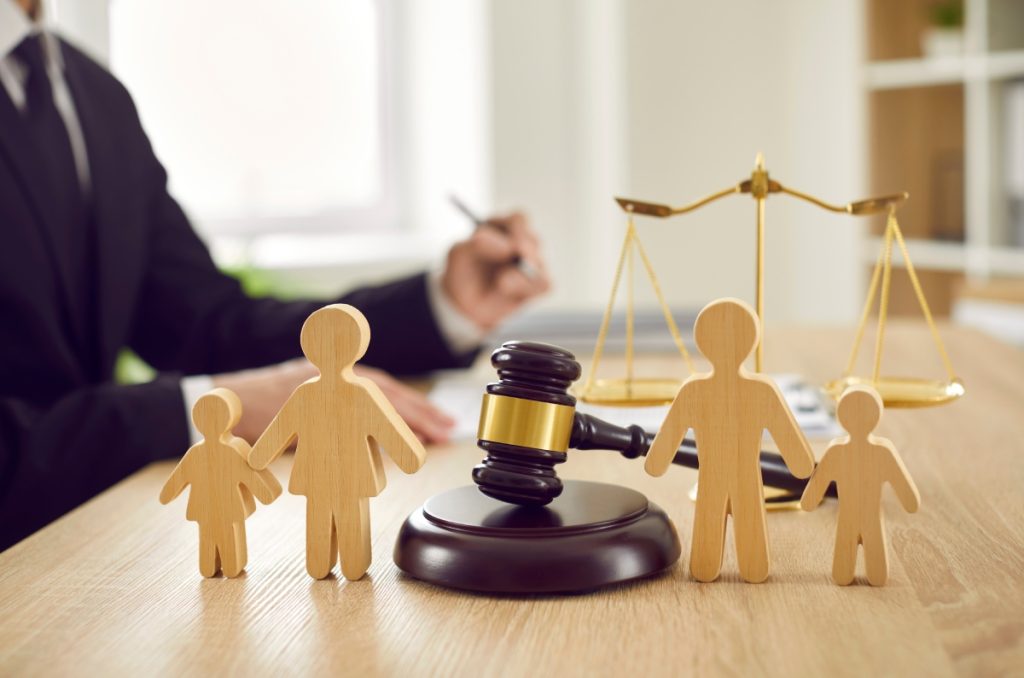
728 409
223 484
338 422
860 464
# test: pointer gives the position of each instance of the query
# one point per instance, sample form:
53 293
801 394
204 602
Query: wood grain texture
111 589
728 409
223 484
339 423
860 464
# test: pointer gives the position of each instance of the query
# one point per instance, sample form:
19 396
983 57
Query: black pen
525 267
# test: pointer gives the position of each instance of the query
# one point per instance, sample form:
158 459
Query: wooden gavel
528 422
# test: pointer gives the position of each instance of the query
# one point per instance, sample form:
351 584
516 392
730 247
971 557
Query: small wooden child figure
340 421
860 464
223 484
728 409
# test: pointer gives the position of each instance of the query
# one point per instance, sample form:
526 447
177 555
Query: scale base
631 392
903 391
591 536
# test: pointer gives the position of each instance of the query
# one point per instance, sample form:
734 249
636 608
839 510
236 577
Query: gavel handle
591 433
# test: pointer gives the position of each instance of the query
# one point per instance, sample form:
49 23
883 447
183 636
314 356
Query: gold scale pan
895 391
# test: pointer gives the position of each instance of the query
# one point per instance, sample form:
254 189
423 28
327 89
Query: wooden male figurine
340 422
728 410
223 484
860 464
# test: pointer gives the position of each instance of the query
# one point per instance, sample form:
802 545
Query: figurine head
216 413
335 337
859 409
726 333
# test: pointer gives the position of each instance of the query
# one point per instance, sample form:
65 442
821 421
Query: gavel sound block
525 530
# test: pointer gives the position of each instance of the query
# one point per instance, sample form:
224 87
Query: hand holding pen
496 270
528 269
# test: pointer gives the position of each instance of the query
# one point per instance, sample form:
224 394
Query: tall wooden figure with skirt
339 422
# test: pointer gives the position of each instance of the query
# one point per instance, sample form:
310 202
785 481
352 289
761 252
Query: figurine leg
708 533
242 548
355 539
844 560
232 548
321 541
209 561
876 557
750 531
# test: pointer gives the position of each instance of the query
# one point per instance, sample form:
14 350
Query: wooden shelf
1008 64
1008 261
926 254
949 256
900 73
921 72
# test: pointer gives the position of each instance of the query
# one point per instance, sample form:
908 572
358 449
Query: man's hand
430 424
481 277
263 391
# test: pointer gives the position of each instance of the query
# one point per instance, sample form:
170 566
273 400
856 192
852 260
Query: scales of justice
899 391
520 529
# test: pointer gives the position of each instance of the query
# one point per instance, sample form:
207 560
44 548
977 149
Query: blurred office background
317 141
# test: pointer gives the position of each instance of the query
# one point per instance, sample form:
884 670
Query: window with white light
269 116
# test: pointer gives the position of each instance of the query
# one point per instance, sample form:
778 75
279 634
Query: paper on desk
460 398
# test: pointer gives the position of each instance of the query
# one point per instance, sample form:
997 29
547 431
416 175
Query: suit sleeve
54 457
193 318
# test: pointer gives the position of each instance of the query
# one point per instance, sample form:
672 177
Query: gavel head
526 420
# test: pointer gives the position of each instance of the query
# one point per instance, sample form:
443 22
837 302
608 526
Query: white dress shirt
459 332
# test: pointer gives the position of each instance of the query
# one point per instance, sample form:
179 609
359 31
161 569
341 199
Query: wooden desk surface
113 588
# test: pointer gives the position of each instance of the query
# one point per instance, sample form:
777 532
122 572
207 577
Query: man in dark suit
97 256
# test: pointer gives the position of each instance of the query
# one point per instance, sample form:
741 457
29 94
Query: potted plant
944 36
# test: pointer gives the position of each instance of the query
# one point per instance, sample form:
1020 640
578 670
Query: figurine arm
278 437
899 478
671 433
823 474
177 482
389 430
788 437
264 485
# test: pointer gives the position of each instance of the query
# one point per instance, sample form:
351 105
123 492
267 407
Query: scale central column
759 189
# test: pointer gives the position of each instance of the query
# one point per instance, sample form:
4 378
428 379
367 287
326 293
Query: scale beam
652 209
860 208
864 207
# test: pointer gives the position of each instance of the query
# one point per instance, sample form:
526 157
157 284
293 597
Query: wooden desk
113 588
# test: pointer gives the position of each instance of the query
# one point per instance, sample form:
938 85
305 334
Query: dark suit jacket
66 430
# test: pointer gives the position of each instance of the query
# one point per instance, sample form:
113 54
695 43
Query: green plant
948 14
254 282
131 369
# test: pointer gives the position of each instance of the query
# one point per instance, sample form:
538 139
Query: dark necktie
49 135
69 216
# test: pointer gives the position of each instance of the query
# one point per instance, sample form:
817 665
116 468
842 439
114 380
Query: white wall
701 87
83 21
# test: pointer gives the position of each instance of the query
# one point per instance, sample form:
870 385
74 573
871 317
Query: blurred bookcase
941 81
